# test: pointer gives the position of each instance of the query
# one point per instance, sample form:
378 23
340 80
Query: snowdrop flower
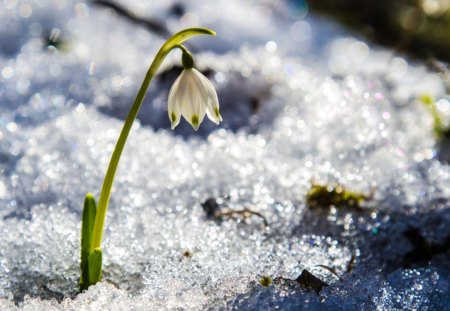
192 96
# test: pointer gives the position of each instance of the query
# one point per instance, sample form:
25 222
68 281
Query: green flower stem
105 194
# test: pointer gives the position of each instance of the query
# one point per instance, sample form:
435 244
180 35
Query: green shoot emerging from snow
191 96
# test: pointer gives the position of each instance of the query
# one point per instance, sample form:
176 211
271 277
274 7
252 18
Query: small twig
151 24
351 264
245 213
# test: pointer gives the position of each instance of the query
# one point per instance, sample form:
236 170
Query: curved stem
187 61
105 194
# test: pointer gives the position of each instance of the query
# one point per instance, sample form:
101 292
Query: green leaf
92 270
95 266
87 225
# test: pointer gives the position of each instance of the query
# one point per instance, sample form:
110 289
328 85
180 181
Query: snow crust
303 102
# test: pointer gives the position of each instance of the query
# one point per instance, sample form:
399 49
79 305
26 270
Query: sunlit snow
303 102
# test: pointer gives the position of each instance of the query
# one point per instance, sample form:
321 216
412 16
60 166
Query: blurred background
420 28
353 92
51 58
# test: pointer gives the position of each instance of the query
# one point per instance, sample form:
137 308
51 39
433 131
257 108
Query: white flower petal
213 106
193 109
212 103
173 105
193 96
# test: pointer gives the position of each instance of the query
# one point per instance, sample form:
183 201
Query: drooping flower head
192 96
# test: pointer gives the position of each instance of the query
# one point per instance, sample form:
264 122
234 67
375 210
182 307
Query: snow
303 102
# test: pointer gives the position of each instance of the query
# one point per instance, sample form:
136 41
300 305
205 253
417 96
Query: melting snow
303 102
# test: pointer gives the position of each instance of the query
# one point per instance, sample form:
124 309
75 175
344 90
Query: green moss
265 281
442 132
334 195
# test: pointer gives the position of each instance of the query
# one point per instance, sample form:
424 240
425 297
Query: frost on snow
308 106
